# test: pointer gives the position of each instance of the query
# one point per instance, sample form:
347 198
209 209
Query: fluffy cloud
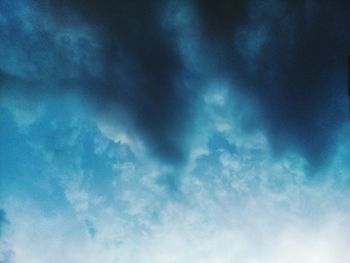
235 200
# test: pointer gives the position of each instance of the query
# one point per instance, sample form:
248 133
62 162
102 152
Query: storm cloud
182 131
289 56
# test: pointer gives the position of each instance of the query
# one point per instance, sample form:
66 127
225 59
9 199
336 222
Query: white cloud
241 205
244 205
121 131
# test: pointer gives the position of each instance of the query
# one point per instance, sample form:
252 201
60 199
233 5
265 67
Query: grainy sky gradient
174 131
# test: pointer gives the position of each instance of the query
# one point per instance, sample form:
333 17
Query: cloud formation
187 131
125 56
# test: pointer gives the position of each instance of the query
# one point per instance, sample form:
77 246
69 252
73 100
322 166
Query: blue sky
176 132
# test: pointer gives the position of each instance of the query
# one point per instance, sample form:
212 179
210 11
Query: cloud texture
163 131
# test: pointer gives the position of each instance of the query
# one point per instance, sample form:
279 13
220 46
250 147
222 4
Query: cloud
174 132
6 253
235 200
140 70
277 52
150 61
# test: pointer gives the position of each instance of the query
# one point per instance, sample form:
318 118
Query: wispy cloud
174 132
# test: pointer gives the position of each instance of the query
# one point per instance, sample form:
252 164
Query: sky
174 131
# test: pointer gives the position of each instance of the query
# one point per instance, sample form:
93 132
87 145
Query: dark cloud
141 68
290 55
